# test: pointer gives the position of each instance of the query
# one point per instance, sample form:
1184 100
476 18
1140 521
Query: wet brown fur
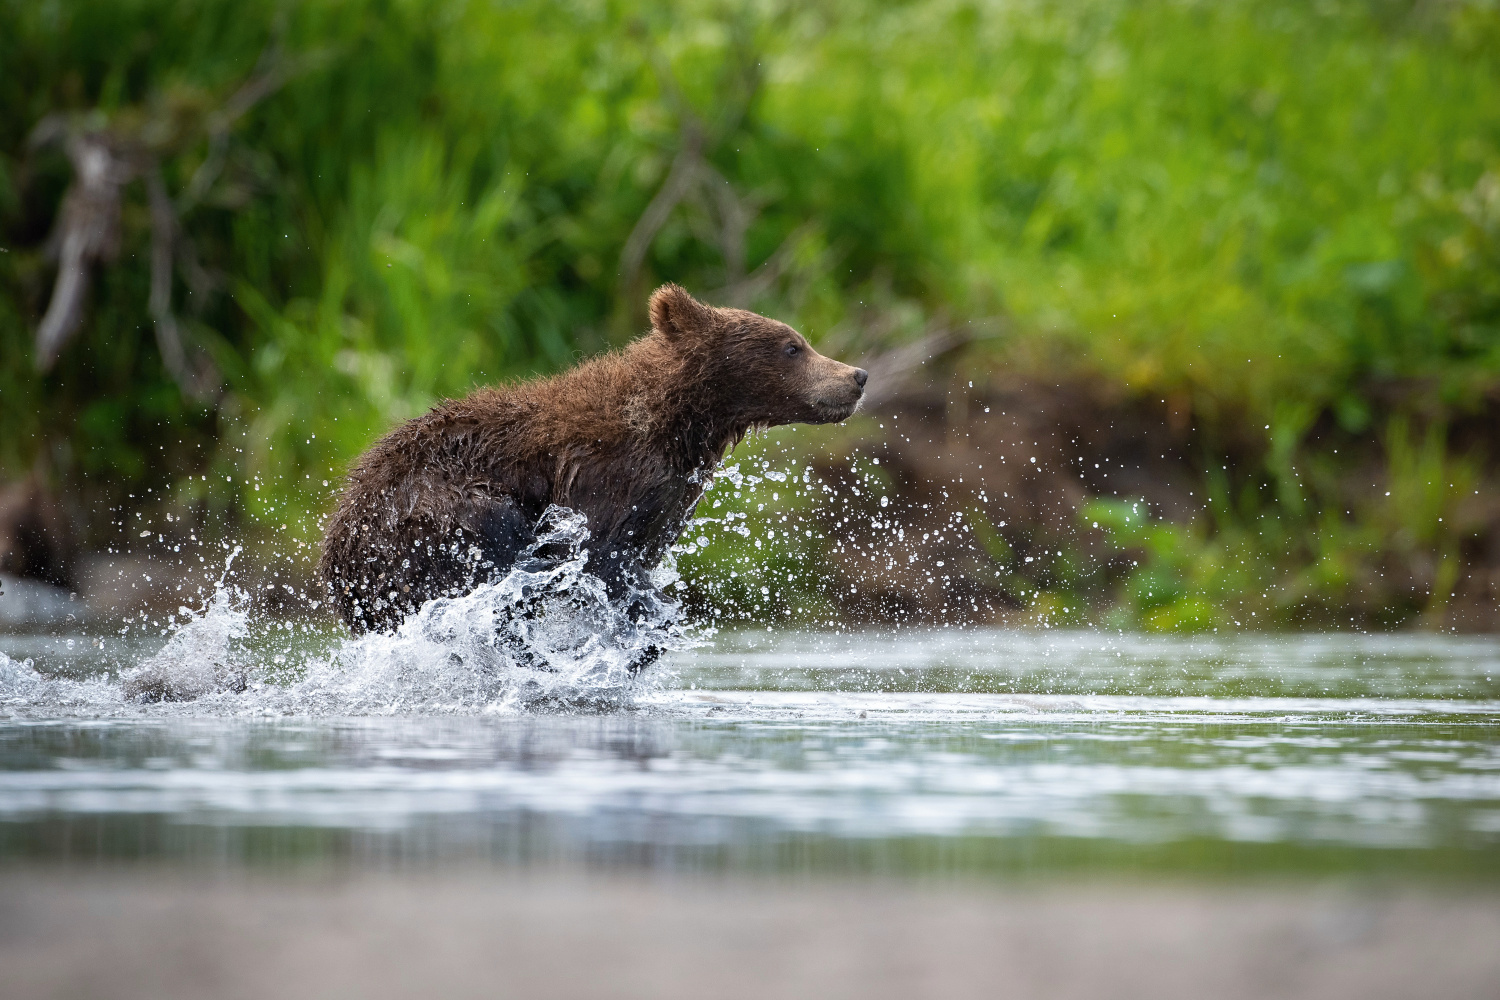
449 499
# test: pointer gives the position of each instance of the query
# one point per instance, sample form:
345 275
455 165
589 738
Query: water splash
545 636
205 654
23 687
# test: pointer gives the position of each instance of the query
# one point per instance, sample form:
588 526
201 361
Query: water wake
546 636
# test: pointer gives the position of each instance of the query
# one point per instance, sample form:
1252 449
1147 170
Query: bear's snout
836 392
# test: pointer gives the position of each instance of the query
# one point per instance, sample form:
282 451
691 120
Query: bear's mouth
834 411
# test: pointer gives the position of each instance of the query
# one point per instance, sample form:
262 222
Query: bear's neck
690 425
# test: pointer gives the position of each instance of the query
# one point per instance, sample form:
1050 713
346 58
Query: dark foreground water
919 752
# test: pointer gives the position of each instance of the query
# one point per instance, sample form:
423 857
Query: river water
948 751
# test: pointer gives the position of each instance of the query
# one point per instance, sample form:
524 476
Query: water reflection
750 761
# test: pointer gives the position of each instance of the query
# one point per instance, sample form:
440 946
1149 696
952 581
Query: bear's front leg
646 604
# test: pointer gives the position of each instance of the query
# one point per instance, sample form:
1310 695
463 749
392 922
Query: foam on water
546 635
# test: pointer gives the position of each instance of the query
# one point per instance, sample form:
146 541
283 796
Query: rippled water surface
916 751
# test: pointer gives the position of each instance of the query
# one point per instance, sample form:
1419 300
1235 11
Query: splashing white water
546 635
23 687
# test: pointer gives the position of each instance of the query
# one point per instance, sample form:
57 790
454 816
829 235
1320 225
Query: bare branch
680 178
208 171
197 384
272 71
893 369
65 310
689 170
163 221
88 226
104 159
734 221
200 281
744 291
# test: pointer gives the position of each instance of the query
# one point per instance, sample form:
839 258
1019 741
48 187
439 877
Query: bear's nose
861 376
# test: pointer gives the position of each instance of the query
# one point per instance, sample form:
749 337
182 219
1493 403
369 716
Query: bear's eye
791 350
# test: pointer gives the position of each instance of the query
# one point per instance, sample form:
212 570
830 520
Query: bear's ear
677 314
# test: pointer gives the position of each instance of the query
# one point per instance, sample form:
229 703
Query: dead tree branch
105 158
891 370
682 175
88 227
692 174
744 291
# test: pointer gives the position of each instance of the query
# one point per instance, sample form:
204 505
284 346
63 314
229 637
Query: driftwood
108 155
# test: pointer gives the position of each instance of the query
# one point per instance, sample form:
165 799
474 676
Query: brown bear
450 499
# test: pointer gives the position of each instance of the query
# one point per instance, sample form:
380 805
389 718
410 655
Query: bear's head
760 371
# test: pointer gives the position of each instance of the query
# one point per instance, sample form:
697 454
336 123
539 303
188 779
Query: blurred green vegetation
1282 217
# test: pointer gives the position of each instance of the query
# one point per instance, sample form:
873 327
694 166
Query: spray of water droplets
544 636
